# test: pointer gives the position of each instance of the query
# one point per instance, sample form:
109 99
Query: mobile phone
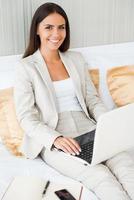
64 195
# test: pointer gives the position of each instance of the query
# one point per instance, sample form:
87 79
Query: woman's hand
68 145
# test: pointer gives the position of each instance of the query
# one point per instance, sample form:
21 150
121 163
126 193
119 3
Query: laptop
114 134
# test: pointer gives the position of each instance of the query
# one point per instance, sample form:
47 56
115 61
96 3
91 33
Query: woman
57 101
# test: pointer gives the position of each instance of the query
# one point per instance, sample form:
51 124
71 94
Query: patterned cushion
121 84
10 131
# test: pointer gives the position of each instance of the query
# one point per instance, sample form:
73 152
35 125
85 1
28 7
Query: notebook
114 133
31 188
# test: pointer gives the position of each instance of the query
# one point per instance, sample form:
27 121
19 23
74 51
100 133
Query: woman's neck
50 56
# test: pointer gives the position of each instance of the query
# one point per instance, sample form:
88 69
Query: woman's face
52 32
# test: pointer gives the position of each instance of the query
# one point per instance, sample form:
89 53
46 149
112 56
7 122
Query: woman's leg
98 178
122 166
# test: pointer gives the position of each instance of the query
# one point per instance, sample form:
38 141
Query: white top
66 97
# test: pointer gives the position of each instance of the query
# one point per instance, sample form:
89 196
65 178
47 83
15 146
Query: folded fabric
11 133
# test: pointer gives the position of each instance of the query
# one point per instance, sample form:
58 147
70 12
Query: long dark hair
42 12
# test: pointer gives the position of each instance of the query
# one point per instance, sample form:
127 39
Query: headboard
7 69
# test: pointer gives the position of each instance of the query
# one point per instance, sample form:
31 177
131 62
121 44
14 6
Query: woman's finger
76 144
73 145
68 145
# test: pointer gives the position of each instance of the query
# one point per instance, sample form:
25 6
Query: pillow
121 84
10 131
94 73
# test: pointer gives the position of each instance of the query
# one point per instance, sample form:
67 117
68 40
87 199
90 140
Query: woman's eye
48 27
62 27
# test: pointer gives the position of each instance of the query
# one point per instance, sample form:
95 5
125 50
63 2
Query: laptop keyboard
86 142
86 151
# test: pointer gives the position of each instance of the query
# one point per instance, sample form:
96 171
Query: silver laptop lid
114 133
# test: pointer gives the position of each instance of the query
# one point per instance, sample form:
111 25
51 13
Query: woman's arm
26 111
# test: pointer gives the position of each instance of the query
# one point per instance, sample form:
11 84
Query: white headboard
102 57
7 69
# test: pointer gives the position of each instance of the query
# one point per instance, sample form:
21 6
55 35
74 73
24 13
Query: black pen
46 187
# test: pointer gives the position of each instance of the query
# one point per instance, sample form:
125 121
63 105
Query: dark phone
64 195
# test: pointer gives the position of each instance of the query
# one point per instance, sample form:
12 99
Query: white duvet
11 166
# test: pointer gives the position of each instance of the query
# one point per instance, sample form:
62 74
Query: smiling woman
56 101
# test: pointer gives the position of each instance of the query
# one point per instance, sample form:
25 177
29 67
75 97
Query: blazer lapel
71 68
42 68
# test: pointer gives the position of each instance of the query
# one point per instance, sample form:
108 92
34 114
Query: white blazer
35 99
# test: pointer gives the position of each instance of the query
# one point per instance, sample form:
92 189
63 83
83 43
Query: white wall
93 22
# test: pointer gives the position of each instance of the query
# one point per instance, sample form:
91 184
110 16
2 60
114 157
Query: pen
80 192
46 187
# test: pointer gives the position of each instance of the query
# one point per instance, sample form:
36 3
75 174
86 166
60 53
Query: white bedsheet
11 166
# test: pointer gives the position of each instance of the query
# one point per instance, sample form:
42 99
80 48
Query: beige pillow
10 131
121 84
94 73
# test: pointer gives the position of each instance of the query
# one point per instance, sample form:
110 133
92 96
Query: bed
100 59
11 166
